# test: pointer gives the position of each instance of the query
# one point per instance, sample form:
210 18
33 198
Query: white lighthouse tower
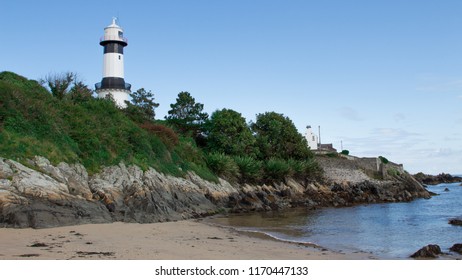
113 81
311 138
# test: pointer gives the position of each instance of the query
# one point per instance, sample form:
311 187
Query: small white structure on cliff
113 81
311 138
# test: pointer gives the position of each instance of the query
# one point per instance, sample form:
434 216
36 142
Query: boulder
430 251
457 248
75 176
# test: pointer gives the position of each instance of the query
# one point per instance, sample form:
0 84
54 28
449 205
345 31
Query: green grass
93 132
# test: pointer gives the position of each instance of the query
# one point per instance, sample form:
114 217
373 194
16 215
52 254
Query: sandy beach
190 239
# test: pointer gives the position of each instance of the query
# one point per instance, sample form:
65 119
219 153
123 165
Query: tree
142 105
186 115
80 92
228 133
277 136
59 84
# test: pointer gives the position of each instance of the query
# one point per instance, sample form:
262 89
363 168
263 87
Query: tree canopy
59 84
142 107
187 115
228 132
277 136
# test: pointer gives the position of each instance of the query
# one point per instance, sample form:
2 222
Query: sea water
387 230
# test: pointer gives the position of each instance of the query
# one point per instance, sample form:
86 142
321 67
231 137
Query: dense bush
384 160
276 170
250 169
166 134
223 165
277 136
228 133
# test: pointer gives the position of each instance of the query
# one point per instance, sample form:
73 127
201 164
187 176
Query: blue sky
382 77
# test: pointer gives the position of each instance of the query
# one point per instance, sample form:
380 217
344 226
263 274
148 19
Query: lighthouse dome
113 33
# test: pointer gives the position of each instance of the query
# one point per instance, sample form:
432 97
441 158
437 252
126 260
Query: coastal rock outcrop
455 222
44 195
430 251
456 248
438 179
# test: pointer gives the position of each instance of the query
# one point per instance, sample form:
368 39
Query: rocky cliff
43 195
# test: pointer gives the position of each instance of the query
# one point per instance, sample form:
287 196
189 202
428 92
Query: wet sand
189 239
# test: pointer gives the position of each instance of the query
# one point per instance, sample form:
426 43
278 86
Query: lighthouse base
119 95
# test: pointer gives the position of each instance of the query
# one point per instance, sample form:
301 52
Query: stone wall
369 164
371 168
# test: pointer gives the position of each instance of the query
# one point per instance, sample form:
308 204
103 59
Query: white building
311 138
113 81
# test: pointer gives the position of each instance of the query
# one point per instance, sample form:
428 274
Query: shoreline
187 239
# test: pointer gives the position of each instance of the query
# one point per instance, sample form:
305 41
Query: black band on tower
113 48
114 83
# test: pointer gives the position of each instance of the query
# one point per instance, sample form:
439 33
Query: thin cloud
350 114
399 117
438 84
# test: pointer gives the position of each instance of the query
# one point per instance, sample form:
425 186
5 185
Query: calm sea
388 230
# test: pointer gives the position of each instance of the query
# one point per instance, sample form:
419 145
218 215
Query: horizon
382 78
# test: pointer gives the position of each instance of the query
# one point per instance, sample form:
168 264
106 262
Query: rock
438 179
428 252
456 248
65 194
446 189
455 222
74 176
33 183
5 170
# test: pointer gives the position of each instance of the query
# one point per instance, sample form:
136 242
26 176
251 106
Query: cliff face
47 195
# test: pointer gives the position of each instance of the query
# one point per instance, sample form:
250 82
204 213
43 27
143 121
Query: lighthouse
311 138
113 82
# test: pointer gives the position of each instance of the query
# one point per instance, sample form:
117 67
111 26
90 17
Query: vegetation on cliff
62 121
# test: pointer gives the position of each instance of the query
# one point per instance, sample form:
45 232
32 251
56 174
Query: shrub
332 154
297 167
312 171
345 152
201 171
384 160
166 134
393 172
223 166
250 168
306 170
188 151
276 170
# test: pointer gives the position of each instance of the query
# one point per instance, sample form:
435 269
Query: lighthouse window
119 57
121 34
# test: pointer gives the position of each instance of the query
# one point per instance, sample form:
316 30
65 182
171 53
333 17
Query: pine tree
186 115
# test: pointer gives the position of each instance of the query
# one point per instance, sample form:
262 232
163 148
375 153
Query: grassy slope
94 132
